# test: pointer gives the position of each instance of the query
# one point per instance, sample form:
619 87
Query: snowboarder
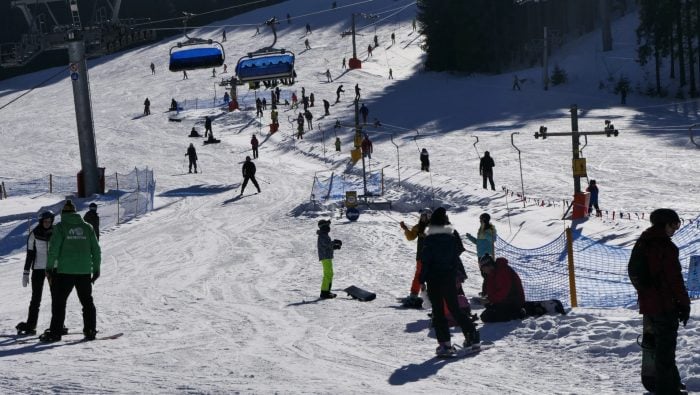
516 83
37 254
73 261
258 107
337 144
593 190
248 170
223 35
338 92
369 50
325 254
504 298
308 29
424 160
309 118
326 106
194 133
655 271
192 154
486 165
207 126
306 44
254 146
213 73
184 75
344 63
367 148
393 38
328 76
416 232
485 242
153 69
227 98
365 112
311 99
274 116
391 74
376 40
173 105
146 107
441 270
93 219
357 91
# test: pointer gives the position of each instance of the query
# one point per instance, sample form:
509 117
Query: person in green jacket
74 261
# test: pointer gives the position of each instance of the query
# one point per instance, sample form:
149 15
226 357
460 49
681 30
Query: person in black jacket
37 254
486 166
249 174
193 157
146 107
424 160
207 127
93 219
441 269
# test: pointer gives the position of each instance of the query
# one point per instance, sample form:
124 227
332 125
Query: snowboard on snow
541 307
360 294
411 303
648 345
32 339
461 352
215 141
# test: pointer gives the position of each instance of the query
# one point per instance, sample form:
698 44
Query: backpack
638 267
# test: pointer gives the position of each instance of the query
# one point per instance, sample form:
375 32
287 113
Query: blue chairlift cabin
205 55
268 65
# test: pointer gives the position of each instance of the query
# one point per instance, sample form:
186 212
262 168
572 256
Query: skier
504 298
194 133
376 41
367 147
311 99
213 72
337 144
309 119
308 29
300 126
73 261
184 75
248 170
369 50
306 44
593 190
258 107
441 270
192 157
254 146
325 254
391 74
416 232
328 76
37 254
424 160
326 106
393 38
365 112
146 107
93 219
485 242
344 63
338 92
173 105
223 35
516 82
274 116
357 91
227 98
153 69
207 126
655 271
486 165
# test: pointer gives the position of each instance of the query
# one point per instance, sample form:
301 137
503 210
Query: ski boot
89 334
327 295
24 330
473 340
445 350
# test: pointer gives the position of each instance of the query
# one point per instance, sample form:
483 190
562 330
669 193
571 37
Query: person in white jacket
37 255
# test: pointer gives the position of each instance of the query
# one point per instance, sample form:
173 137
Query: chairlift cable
34 87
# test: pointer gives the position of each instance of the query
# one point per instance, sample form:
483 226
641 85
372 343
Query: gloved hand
337 244
95 276
683 314
49 275
403 225
25 278
469 235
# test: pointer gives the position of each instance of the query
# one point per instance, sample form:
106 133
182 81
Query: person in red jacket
655 272
367 147
505 298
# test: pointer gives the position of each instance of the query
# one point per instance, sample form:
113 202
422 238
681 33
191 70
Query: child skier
416 232
325 255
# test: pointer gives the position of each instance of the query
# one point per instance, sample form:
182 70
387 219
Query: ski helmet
486 260
485 218
48 214
93 206
425 214
324 222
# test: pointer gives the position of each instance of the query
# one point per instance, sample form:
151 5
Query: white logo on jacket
76 233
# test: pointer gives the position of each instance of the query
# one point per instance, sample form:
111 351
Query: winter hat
486 260
439 217
324 222
93 206
485 217
663 217
68 207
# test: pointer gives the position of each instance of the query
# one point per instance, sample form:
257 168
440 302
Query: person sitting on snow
504 299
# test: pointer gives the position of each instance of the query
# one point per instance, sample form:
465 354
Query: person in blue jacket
593 190
484 240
